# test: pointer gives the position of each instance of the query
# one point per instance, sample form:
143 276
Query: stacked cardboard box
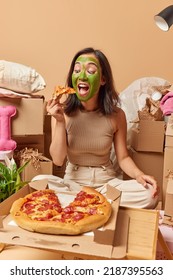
146 148
168 168
27 129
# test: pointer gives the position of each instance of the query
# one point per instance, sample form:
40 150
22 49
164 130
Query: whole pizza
41 211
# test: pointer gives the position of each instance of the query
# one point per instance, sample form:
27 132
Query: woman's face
86 77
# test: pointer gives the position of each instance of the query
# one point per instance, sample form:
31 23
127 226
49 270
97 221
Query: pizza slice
40 205
60 90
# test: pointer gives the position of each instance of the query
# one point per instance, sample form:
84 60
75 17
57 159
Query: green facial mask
86 77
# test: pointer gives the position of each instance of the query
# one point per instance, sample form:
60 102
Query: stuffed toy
6 143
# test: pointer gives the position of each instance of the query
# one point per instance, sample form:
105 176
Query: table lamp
164 19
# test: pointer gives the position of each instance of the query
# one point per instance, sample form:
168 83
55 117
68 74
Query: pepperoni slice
29 211
78 216
92 211
69 209
28 205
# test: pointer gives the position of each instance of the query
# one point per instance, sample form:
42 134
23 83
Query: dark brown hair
108 96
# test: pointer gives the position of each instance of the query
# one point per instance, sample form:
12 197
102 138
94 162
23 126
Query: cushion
20 78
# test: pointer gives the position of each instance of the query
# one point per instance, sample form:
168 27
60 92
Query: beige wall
45 34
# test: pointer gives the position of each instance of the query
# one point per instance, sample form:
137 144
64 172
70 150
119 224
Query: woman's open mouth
83 89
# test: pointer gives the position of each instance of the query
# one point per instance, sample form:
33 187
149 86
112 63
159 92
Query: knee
139 197
150 202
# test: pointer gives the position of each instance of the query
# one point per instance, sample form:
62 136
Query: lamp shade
164 19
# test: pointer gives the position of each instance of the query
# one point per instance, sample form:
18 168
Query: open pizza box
107 242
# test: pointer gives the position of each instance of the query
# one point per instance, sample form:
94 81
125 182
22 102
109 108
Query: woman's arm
58 146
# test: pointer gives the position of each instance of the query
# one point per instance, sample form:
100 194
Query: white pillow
20 78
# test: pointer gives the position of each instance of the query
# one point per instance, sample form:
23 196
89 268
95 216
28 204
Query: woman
83 130
86 125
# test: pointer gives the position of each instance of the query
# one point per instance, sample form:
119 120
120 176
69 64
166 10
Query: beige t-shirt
89 136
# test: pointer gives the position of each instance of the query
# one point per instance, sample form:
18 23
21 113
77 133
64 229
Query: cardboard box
149 163
29 117
168 141
149 136
43 166
104 243
169 126
30 141
169 132
169 198
167 168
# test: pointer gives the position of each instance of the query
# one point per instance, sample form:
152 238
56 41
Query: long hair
108 96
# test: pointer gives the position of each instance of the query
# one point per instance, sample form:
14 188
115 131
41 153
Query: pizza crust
86 224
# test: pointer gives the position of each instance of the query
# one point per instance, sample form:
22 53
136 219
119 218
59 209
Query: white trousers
133 194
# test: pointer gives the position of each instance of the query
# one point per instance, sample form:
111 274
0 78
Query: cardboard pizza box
107 242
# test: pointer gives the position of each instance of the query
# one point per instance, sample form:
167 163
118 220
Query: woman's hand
144 179
55 109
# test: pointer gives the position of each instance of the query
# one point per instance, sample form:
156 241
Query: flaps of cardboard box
97 244
121 235
107 236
